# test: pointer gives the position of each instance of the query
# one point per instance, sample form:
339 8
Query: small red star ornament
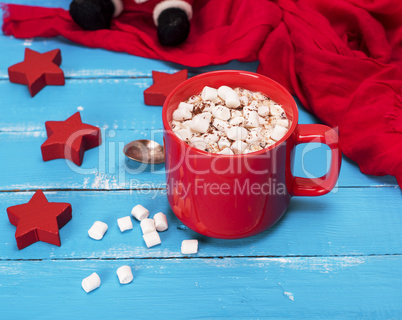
38 70
69 139
163 84
39 220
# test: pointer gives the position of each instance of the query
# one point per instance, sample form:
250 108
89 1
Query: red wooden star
38 70
164 83
39 220
69 139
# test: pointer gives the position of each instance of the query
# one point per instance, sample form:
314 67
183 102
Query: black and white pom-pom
95 14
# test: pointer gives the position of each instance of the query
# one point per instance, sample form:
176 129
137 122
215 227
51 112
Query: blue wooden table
335 256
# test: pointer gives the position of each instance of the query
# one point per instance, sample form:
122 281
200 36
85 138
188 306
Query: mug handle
319 133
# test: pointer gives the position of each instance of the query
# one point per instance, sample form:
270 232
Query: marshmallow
263 111
262 121
185 134
91 283
237 121
205 115
161 223
278 133
181 114
237 133
283 122
139 212
189 246
199 143
125 275
224 143
238 146
236 113
253 136
252 120
221 112
199 124
258 96
186 106
125 223
226 151
275 109
230 96
210 94
152 239
212 147
97 230
220 124
147 226
209 138
244 100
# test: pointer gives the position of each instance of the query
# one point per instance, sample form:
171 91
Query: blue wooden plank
284 288
349 222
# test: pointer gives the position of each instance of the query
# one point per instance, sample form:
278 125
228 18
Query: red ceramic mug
236 196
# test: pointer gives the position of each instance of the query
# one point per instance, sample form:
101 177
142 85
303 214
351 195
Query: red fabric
341 58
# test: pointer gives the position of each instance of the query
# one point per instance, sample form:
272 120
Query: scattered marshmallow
98 230
91 283
263 111
237 121
189 246
152 239
125 275
147 226
185 134
283 122
139 212
161 223
125 223
278 133
199 143
210 94
237 133
230 96
224 143
275 109
220 124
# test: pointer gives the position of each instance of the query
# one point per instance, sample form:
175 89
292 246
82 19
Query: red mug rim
293 105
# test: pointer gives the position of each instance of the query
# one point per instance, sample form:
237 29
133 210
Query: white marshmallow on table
252 120
224 143
97 230
189 246
221 112
91 283
185 105
238 146
139 212
263 110
237 121
220 124
152 239
283 122
182 114
199 124
125 274
125 223
237 133
230 97
226 151
161 223
147 225
210 94
278 133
